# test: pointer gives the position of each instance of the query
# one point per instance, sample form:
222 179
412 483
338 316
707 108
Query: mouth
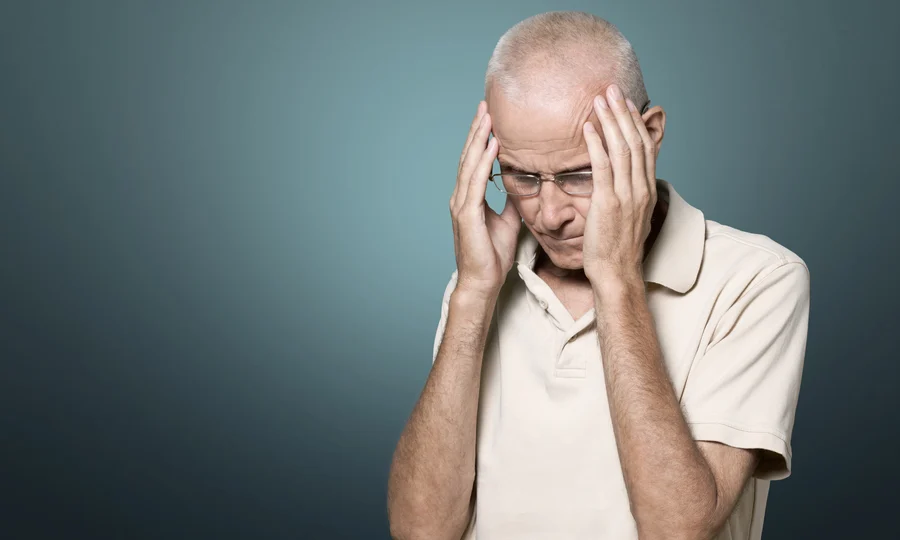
571 240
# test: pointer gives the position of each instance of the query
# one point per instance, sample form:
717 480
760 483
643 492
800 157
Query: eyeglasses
523 185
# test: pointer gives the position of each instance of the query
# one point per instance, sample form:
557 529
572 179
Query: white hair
555 51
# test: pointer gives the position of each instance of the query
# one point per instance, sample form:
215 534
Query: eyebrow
513 168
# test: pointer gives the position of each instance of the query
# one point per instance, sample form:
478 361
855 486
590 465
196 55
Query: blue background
225 236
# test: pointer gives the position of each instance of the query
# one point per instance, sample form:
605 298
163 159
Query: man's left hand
624 192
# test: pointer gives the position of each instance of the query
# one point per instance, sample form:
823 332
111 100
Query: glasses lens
577 183
517 184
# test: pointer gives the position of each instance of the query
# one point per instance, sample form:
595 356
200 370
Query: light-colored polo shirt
731 310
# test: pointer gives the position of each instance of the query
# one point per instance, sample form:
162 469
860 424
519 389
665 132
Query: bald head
551 57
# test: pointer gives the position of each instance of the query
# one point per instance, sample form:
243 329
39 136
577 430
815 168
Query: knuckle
612 203
642 197
601 164
469 209
622 150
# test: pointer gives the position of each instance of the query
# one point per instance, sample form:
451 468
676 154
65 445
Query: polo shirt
731 311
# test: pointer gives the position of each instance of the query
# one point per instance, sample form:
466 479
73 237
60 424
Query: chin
569 260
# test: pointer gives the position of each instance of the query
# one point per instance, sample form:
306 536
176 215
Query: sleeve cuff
775 460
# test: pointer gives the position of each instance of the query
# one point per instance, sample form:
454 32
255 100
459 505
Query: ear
655 120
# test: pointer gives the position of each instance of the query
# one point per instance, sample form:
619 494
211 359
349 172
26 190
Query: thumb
510 212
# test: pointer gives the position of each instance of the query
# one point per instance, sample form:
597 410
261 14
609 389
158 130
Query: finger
479 179
622 108
600 165
619 153
473 156
476 122
649 152
510 213
636 183
482 107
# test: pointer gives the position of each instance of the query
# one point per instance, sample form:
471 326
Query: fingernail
614 93
631 106
601 102
481 106
589 127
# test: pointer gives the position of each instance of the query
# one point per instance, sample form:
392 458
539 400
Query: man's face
542 137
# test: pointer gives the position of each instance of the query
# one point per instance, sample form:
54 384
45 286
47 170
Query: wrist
471 298
613 285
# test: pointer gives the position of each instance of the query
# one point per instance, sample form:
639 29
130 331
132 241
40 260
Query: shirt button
543 304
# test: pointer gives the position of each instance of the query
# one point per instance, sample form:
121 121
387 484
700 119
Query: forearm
433 470
670 485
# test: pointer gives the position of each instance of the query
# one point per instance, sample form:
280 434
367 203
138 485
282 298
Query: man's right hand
484 241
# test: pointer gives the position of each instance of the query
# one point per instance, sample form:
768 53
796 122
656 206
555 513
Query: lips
571 238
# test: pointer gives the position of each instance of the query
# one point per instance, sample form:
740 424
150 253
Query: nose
555 206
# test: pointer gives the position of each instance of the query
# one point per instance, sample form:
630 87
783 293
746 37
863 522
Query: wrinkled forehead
540 125
535 123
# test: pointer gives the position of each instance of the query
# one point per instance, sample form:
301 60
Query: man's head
539 88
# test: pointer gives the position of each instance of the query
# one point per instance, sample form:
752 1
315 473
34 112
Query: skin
544 139
677 487
431 480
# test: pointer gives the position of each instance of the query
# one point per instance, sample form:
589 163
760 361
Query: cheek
527 207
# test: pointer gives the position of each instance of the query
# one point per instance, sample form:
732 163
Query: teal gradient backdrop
225 236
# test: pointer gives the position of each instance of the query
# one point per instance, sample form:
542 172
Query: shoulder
733 253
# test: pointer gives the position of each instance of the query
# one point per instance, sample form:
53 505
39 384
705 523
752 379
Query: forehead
541 133
535 121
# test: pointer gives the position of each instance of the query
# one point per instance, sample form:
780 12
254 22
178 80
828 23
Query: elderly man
637 374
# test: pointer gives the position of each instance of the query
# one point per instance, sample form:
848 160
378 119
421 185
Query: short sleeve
445 312
743 390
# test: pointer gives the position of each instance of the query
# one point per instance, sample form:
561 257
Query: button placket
577 366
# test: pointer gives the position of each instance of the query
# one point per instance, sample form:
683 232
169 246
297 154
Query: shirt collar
673 261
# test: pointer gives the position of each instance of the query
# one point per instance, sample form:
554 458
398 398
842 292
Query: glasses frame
541 178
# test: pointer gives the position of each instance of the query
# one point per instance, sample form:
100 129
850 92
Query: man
617 368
